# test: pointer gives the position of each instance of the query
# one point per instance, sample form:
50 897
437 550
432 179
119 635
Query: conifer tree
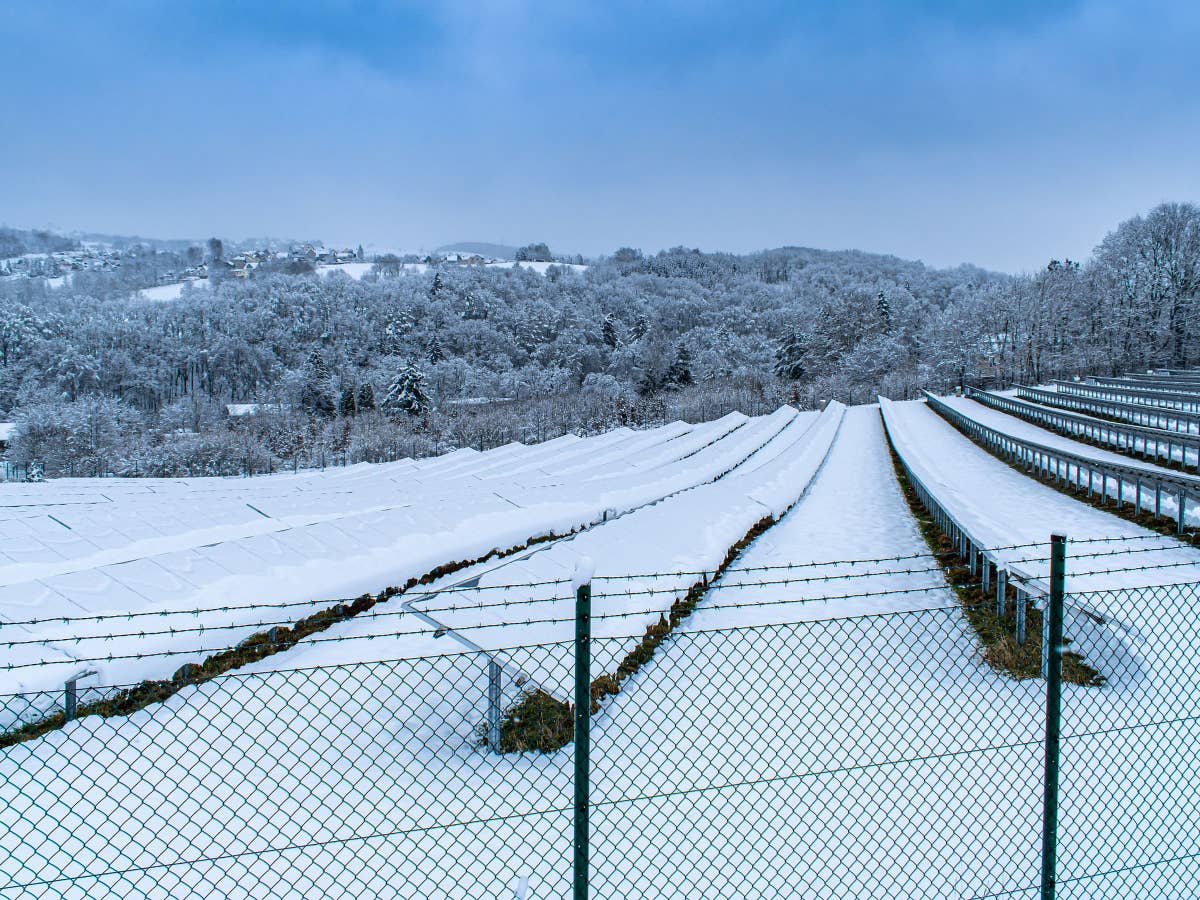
789 358
346 404
407 393
366 396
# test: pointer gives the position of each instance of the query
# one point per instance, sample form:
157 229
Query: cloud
952 131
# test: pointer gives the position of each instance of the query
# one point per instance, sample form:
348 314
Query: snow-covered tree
366 396
346 403
790 357
407 393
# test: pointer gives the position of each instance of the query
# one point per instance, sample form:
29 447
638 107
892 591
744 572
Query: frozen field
809 683
109 548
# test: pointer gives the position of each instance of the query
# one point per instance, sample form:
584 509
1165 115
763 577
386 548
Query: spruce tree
680 372
346 405
366 397
407 394
640 327
315 395
609 332
789 358
434 349
885 311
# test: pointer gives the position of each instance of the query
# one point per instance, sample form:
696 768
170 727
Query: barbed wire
435 631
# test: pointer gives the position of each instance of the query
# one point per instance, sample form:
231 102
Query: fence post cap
585 570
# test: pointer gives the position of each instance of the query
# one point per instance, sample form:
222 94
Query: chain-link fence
841 754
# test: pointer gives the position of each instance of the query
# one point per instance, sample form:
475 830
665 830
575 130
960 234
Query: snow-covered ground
165 293
1000 506
355 270
110 547
1165 443
866 753
1019 428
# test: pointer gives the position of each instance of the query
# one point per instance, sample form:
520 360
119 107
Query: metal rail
1168 399
1150 416
1174 385
1080 470
1167 381
988 565
1149 443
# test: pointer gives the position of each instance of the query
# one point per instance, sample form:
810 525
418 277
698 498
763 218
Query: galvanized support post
493 708
583 713
1022 603
1054 619
70 699
987 573
1157 499
1001 589
1182 511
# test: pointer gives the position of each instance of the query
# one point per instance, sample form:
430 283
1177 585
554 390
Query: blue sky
995 133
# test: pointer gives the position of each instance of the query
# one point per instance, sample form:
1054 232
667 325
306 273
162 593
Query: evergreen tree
346 404
434 349
609 332
407 392
438 285
885 311
789 358
640 327
474 308
680 372
315 395
366 397
650 382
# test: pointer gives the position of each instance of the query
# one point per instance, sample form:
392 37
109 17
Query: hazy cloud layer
948 131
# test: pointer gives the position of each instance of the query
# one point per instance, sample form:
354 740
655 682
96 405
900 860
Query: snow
850 754
81 547
539 267
1019 428
355 270
853 510
999 506
165 293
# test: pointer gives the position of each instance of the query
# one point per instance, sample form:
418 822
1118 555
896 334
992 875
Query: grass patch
540 722
996 635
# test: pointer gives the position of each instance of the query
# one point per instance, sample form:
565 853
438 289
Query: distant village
96 258
101 257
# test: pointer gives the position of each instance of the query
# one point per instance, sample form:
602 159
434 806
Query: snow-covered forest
410 361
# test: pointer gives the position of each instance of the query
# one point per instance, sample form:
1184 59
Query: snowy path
854 510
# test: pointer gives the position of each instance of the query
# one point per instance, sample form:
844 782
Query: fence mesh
865 756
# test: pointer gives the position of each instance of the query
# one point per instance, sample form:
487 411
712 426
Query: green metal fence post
1054 640
583 714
